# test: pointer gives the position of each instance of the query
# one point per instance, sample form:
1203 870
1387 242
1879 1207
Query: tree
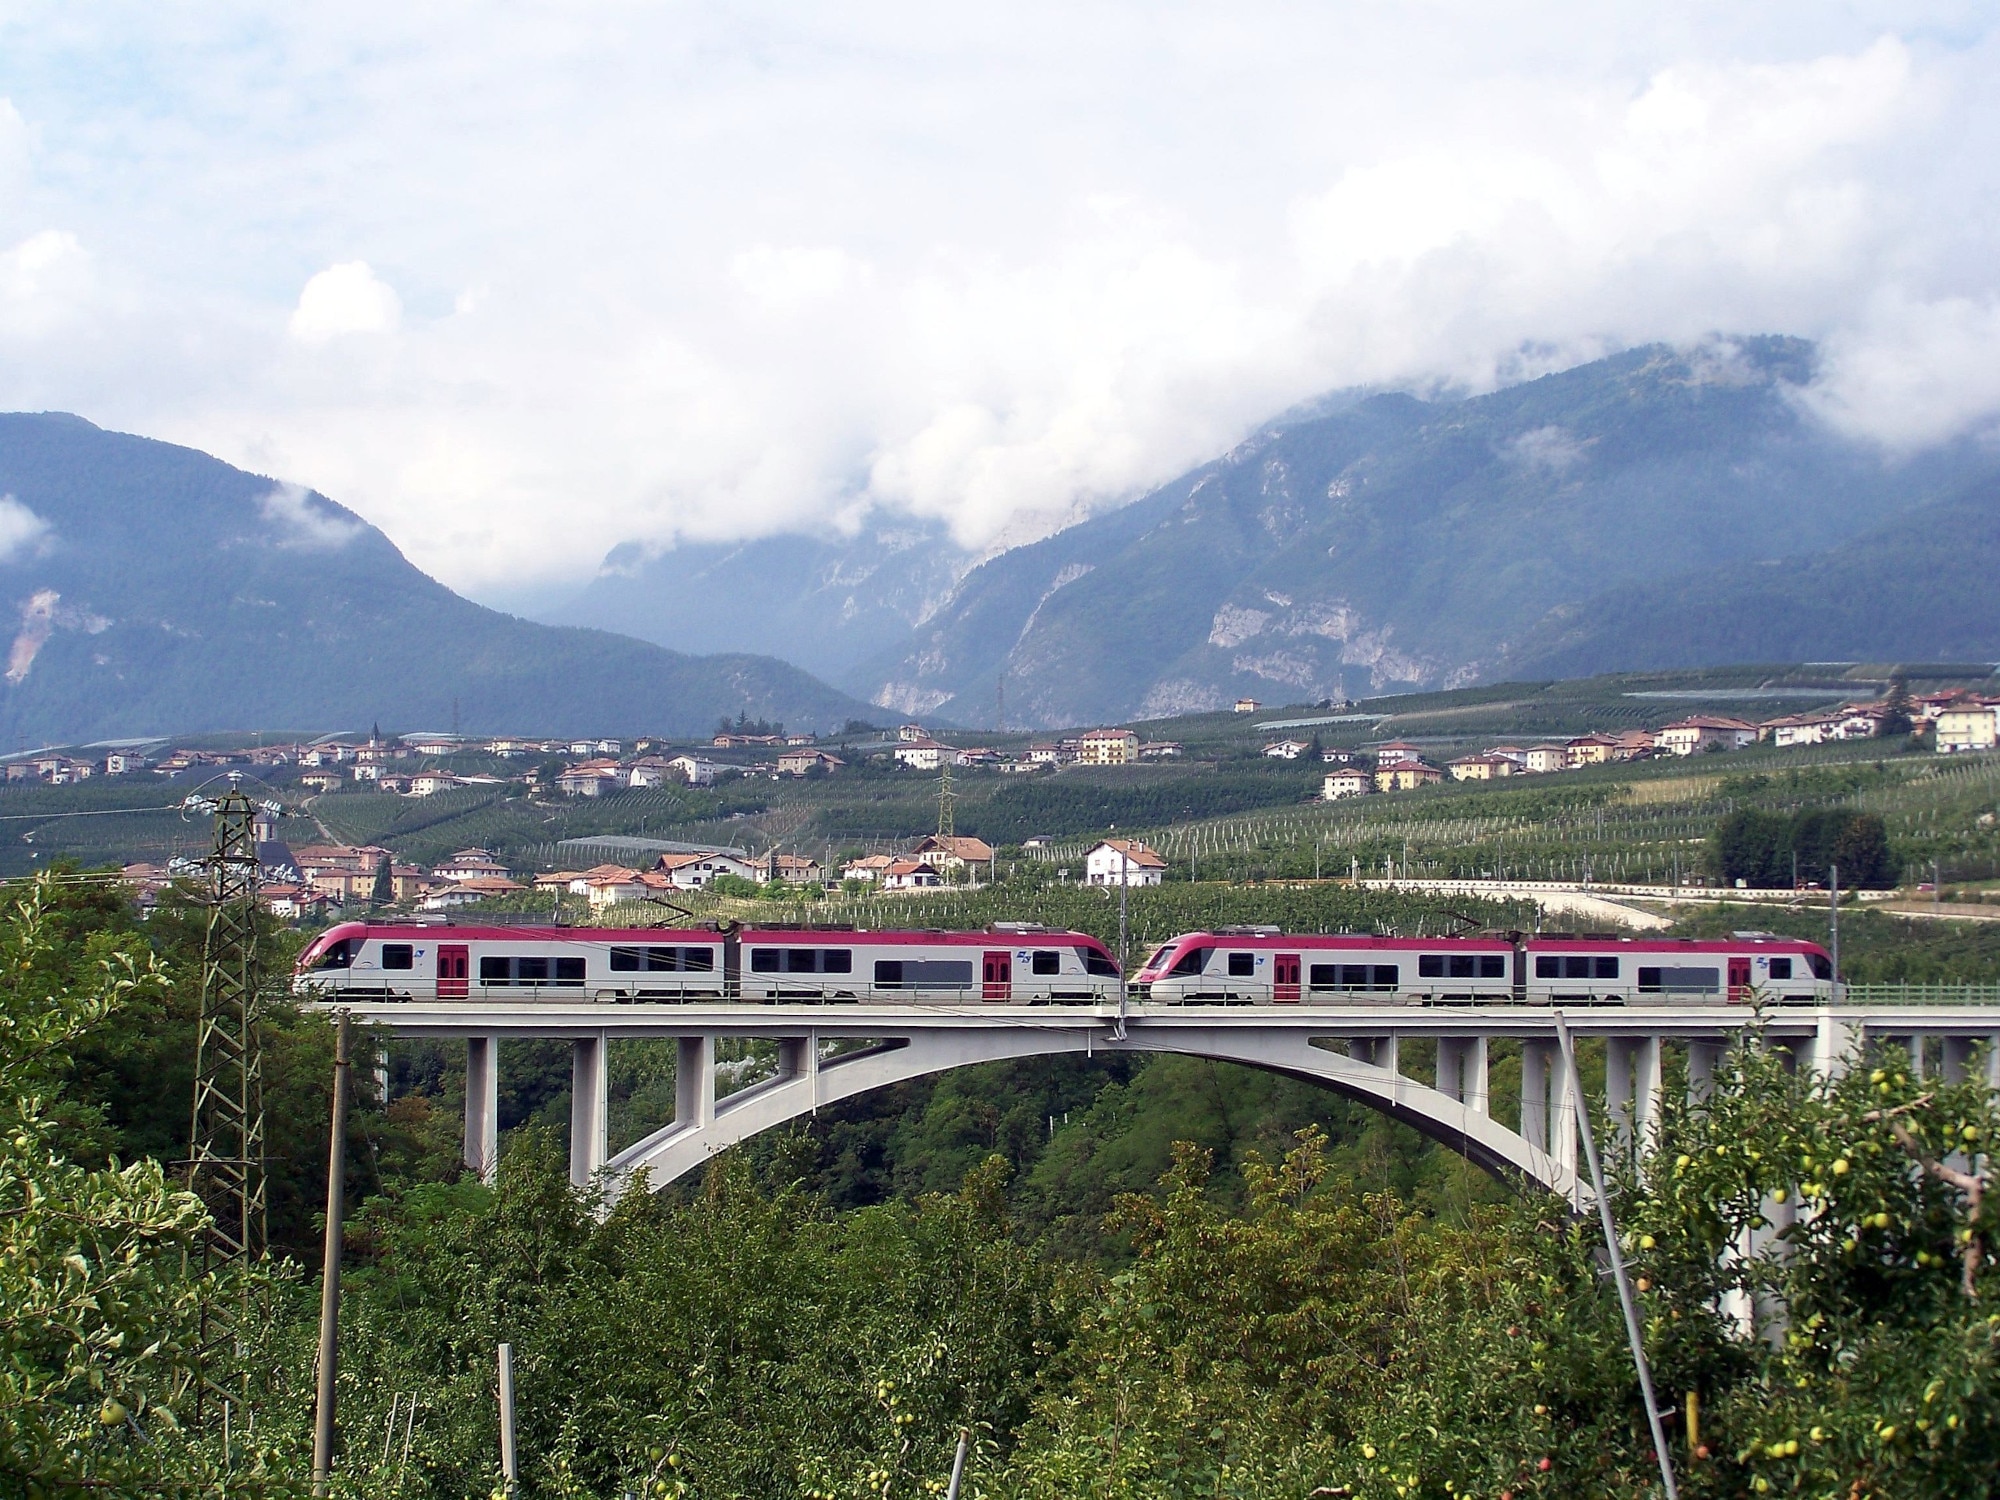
385 883
100 1278
1896 720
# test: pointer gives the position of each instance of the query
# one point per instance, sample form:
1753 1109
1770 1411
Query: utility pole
1833 890
947 825
329 1287
225 1166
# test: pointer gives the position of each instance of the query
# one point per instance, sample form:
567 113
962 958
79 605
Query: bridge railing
1944 992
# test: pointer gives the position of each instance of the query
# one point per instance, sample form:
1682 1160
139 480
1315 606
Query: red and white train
1025 964
1009 962
1263 966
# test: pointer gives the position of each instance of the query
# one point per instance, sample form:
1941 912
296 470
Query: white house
1108 747
1123 862
953 853
1701 731
426 783
870 867
1286 749
911 733
591 778
470 864
909 875
690 872
696 771
920 755
1247 705
1541 759
1349 781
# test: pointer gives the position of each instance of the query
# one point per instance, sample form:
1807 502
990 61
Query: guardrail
1936 993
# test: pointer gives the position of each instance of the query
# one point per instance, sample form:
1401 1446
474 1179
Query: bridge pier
1632 1088
589 1109
482 1106
694 1084
1462 1074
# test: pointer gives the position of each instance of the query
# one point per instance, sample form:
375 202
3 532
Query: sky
518 282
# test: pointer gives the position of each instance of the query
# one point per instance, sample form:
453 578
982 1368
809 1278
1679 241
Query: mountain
159 590
1920 588
1393 542
826 603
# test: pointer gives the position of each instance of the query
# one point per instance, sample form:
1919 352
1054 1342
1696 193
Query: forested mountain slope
156 589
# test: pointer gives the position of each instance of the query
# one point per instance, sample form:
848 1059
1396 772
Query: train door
1739 980
453 968
1285 977
999 977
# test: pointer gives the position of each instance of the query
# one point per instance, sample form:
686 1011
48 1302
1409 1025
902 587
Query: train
1266 966
1009 962
1025 964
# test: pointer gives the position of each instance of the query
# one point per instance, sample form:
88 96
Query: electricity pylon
226 1140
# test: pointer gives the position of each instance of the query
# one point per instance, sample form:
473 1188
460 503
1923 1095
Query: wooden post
329 1289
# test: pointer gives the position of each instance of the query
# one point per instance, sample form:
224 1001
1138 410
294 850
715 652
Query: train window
1430 966
1099 964
801 960
698 960
1684 981
1492 966
1822 967
1781 968
1575 967
1192 961
627 960
662 960
1548 966
923 974
503 972
1385 976
1242 964
1324 976
1607 968
1354 976
398 956
1462 965
339 956
1048 961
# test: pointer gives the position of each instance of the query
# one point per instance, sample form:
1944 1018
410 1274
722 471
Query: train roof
1008 934
1490 942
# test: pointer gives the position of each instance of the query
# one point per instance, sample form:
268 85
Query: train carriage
1008 963
1265 966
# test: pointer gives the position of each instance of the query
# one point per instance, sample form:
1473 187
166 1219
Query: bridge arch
707 1125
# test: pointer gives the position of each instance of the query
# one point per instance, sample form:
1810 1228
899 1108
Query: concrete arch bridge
825 1054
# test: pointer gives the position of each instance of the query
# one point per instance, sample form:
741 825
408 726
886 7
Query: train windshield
1822 966
1159 958
338 955
1098 963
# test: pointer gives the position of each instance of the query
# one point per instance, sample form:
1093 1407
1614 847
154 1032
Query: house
920 755
434 744
510 748
1047 755
557 880
366 772
1335 756
805 762
1932 705
408 882
697 772
952 853
469 864
610 885
1396 750
909 875
1630 744
1590 750
1349 781
793 869
1701 731
1542 759
1159 750
649 771
389 781
1038 841
464 892
428 783
801 739
288 903
122 762
976 757
1405 776
1122 862
1515 753
1797 729
322 781
690 872
1247 705
1107 747
590 778
1480 767
869 867
911 733
1857 721
1968 725
1286 749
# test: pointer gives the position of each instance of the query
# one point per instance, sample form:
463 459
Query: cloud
347 298
305 523
23 534
716 273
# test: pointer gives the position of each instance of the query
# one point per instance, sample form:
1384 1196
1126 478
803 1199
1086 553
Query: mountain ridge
161 590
